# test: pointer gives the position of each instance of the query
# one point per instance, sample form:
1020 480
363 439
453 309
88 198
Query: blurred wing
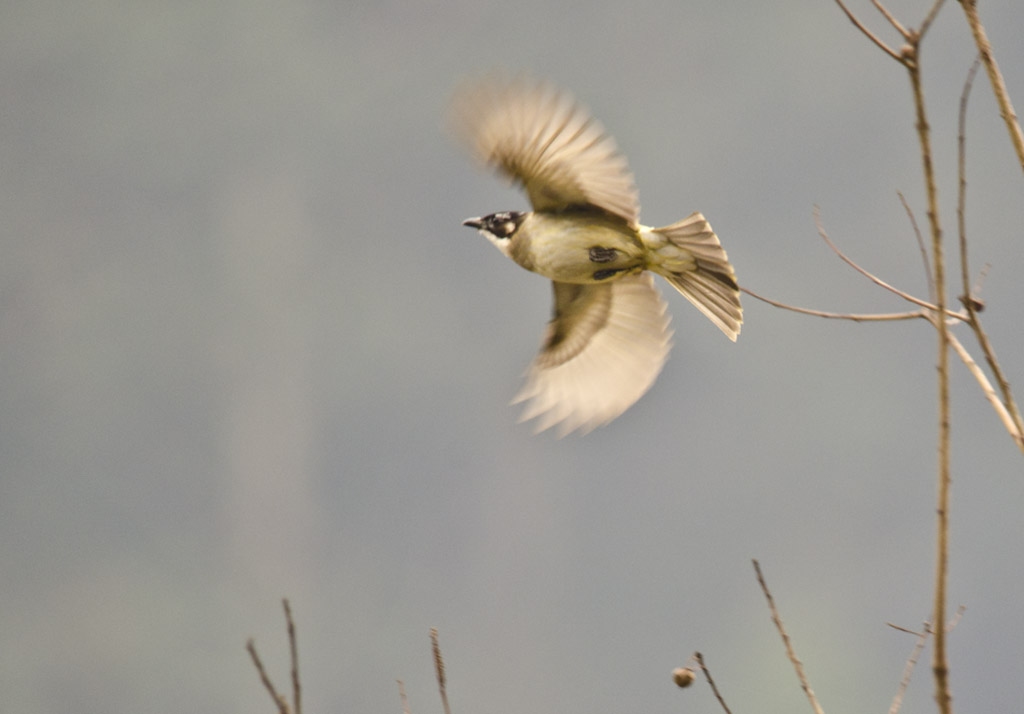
545 141
603 350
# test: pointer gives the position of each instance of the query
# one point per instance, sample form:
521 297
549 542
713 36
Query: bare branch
920 245
967 299
982 274
707 675
908 668
1009 404
922 638
405 700
955 620
986 388
293 649
940 663
279 700
900 628
439 668
872 277
892 20
797 665
995 78
282 703
1005 414
869 34
854 317
928 20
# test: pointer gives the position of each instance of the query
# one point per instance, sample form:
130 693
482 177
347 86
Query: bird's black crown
501 225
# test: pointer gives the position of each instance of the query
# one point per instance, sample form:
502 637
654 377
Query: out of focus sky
247 351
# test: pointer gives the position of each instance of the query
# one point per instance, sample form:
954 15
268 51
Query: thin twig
922 638
439 668
855 317
405 700
986 388
995 78
982 274
707 675
908 668
1004 385
279 700
293 648
869 34
920 244
955 620
900 628
968 299
928 20
785 640
892 19
874 278
1010 406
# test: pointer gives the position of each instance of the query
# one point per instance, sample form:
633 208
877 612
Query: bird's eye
502 225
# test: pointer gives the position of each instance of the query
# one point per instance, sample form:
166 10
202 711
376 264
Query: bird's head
498 228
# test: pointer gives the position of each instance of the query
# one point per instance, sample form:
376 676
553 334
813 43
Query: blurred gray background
247 351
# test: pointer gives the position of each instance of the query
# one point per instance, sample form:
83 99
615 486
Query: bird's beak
473 222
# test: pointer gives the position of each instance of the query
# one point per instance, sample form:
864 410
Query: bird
609 334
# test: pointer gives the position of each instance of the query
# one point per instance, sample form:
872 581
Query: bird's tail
689 256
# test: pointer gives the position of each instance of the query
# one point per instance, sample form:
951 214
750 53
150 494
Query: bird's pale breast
577 248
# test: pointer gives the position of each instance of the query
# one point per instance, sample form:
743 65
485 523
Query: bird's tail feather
700 270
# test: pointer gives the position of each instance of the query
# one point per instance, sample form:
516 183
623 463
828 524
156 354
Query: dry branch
995 78
797 665
699 658
868 33
922 638
920 246
405 699
293 650
908 668
853 317
877 280
1007 408
442 680
279 699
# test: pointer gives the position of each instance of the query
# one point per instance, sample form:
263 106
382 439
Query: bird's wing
542 139
603 349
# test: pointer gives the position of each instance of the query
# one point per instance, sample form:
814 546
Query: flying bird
609 335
